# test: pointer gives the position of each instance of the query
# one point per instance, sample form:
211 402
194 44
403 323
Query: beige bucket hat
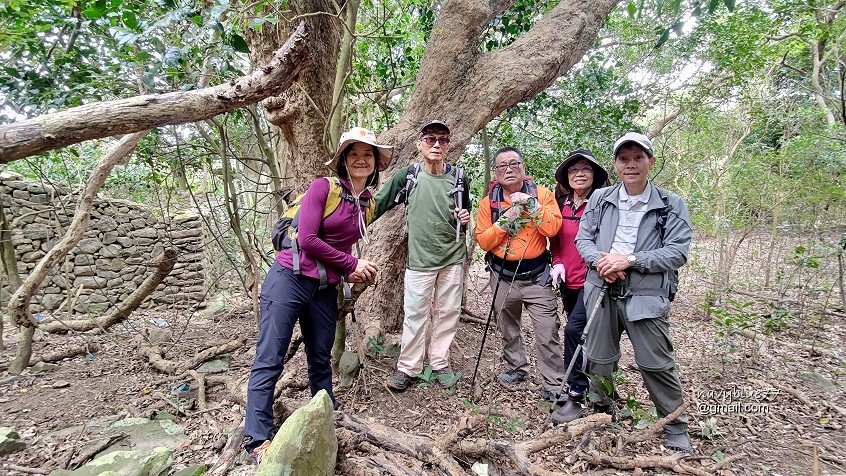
360 134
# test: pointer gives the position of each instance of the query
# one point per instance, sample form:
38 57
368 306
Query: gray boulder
155 462
10 441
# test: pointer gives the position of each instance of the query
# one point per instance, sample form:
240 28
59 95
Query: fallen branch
672 463
120 312
812 349
201 392
801 397
419 447
24 469
230 452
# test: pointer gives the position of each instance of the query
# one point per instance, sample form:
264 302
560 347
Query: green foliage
642 417
710 430
735 317
428 377
495 421
375 345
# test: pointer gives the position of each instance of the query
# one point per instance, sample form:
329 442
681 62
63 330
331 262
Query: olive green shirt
430 219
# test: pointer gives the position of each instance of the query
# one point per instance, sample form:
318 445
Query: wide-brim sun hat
600 176
360 134
638 139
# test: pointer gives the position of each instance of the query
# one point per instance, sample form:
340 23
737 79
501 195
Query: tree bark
466 88
141 113
9 261
301 112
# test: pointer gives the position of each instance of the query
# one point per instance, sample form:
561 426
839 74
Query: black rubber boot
573 409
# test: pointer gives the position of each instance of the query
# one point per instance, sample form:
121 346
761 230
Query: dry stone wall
111 260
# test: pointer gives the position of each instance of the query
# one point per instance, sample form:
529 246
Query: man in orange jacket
514 223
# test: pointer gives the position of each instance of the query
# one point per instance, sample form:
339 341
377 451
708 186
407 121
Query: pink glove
557 273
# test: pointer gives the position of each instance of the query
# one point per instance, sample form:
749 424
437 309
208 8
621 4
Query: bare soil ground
774 407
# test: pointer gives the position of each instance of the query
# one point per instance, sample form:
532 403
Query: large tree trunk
124 116
467 88
302 112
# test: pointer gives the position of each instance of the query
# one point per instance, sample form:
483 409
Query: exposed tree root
154 355
673 463
454 445
163 265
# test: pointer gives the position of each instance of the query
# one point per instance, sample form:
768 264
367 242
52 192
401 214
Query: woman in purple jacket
287 297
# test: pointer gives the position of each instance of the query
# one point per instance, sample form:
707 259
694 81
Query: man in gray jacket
634 236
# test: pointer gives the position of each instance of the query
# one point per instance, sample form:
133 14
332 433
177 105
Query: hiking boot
574 409
257 453
399 381
513 377
446 377
677 442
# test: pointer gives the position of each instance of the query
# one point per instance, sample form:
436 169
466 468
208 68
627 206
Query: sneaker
574 409
399 381
446 377
513 377
677 442
257 453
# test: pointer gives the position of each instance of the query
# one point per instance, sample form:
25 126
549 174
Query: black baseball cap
436 124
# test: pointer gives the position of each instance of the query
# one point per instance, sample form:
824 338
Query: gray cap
638 139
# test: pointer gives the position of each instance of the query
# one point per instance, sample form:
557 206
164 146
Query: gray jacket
650 279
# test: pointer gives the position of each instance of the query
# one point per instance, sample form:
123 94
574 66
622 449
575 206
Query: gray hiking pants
653 349
542 305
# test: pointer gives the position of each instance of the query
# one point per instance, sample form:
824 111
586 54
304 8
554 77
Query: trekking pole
460 204
490 315
602 291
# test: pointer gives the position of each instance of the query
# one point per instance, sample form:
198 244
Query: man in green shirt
434 274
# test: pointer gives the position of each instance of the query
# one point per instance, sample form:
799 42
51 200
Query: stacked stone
113 257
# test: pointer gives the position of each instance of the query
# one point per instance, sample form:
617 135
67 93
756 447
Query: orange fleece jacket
532 239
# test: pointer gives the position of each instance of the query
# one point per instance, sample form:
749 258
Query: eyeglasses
510 165
586 169
430 140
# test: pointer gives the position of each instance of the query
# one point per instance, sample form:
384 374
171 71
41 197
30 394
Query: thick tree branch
163 265
18 307
141 113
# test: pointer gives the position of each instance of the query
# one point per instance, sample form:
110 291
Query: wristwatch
631 259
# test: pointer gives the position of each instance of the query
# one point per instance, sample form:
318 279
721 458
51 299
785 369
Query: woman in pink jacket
578 177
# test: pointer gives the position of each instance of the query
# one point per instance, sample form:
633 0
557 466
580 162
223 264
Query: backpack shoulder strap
496 195
410 183
333 198
661 221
